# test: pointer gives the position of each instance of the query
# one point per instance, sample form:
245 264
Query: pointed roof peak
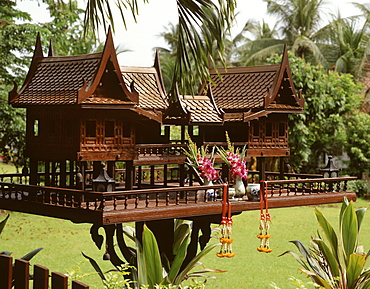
51 48
38 48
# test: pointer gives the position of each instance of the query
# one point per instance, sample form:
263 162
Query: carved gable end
71 80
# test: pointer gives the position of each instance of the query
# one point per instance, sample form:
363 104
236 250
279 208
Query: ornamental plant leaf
3 223
360 216
194 262
31 254
181 232
310 257
349 232
333 265
152 258
141 265
179 257
330 234
95 266
355 267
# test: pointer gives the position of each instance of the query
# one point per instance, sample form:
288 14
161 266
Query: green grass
63 242
7 168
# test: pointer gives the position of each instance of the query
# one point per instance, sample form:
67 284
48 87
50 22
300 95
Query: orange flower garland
265 222
226 226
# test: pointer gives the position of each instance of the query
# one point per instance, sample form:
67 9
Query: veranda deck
187 202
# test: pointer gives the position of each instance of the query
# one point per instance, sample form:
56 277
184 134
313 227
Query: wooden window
90 128
109 128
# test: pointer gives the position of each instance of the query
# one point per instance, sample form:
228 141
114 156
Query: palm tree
202 24
300 21
262 43
346 43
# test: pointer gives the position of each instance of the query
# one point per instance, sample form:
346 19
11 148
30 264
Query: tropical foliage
154 270
336 261
329 99
16 42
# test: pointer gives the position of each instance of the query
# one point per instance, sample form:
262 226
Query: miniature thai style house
84 108
87 109
251 103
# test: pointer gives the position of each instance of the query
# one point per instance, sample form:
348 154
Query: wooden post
33 171
59 281
47 173
21 274
81 176
53 183
165 180
129 182
79 285
152 175
282 168
40 277
63 174
262 168
139 176
96 169
71 174
6 271
182 175
111 169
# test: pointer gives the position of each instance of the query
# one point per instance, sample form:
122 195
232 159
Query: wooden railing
100 201
159 149
291 187
19 276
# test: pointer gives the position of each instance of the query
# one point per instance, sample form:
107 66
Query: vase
239 187
204 195
253 192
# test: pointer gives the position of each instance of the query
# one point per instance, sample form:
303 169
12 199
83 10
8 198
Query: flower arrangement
234 159
199 160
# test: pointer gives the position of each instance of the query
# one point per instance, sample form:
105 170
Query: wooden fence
19 276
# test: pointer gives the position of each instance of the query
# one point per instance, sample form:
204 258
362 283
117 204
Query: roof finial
51 48
38 48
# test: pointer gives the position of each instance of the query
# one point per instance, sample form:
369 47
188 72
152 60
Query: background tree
330 98
17 42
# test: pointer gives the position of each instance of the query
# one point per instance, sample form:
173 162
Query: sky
141 37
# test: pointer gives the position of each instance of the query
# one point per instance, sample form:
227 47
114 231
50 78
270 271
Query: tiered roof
74 80
246 93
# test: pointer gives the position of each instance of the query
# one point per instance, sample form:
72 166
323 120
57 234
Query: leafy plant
337 261
154 270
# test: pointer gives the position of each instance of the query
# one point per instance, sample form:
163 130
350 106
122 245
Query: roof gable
70 80
255 88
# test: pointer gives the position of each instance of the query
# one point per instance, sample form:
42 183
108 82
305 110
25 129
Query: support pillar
281 167
47 173
72 174
33 171
111 169
63 174
96 169
182 175
262 168
129 182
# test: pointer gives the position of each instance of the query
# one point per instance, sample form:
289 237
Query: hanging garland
226 226
265 221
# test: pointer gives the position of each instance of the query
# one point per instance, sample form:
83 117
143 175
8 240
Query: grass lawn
7 168
63 242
